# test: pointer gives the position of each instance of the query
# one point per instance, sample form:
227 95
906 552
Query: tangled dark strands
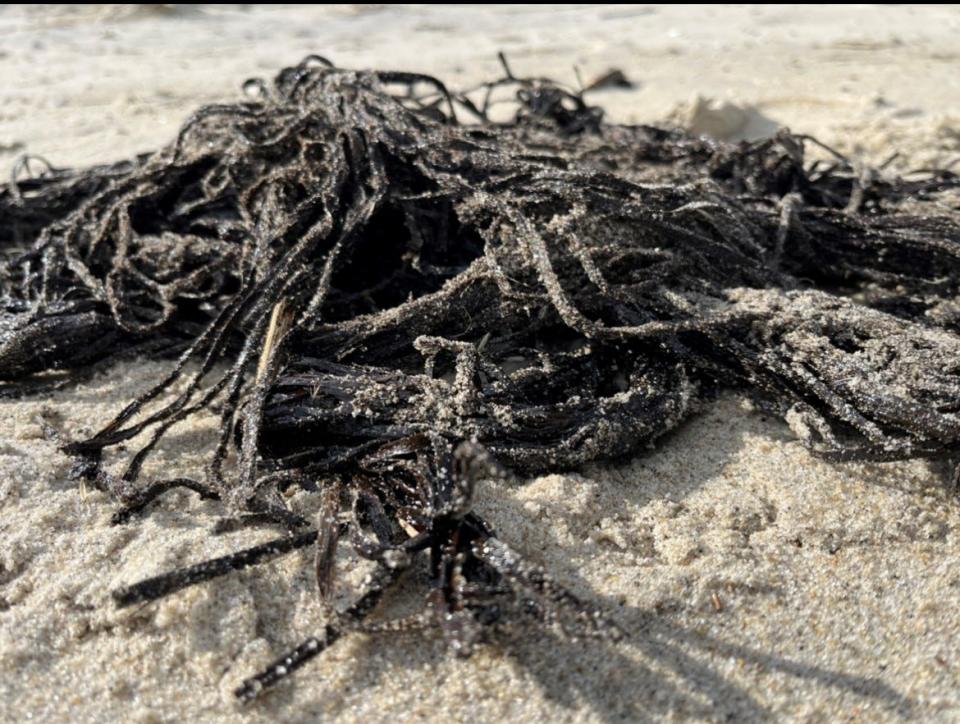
409 294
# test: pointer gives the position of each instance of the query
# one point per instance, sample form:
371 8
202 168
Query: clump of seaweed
409 295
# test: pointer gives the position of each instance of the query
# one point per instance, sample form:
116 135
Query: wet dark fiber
389 296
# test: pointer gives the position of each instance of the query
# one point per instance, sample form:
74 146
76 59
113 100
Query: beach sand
756 581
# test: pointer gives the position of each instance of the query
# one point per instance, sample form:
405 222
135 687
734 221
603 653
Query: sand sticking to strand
757 581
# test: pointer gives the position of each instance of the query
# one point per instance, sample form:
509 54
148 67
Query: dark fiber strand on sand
390 296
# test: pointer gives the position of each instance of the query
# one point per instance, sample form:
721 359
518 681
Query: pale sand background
837 587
